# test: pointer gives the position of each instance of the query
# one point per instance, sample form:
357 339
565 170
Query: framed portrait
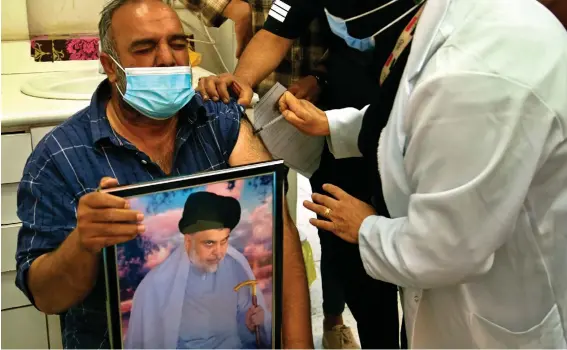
207 270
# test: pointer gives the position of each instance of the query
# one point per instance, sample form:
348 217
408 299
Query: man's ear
187 242
109 67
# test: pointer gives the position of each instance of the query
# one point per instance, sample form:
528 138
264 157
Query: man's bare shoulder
249 147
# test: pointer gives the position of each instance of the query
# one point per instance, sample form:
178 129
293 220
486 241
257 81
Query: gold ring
327 212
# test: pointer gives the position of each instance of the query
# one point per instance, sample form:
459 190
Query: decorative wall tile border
50 49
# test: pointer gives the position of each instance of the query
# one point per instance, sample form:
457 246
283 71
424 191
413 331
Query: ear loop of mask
399 18
124 70
371 11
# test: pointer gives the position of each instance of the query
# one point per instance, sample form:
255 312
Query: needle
269 124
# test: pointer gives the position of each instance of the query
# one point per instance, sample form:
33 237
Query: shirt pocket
548 334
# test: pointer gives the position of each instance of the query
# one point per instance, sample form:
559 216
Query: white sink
76 85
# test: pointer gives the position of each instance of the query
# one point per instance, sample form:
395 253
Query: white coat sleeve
474 144
344 127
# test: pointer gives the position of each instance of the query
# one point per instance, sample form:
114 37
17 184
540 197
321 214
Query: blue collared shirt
70 162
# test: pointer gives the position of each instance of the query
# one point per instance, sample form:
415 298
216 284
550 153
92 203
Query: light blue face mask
339 27
157 92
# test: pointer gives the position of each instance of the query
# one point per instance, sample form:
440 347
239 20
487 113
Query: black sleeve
291 18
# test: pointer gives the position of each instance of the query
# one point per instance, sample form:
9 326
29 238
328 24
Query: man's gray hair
105 24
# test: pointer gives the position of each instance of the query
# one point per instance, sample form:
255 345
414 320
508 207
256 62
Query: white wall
22 18
14 20
223 37
63 17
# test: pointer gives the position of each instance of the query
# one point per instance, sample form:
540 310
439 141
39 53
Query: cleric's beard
204 267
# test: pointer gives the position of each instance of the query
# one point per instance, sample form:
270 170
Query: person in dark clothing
351 79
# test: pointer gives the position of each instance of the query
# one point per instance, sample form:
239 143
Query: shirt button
144 162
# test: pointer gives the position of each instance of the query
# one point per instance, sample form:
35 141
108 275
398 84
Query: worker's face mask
339 27
157 92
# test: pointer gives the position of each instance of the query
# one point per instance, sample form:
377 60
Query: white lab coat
473 164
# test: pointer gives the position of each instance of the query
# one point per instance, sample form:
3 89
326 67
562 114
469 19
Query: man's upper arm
249 148
211 10
291 18
46 211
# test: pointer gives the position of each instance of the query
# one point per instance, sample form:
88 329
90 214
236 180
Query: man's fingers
110 240
100 200
323 225
293 119
201 88
112 230
301 94
335 191
222 89
297 91
117 215
326 201
320 210
282 103
293 89
245 94
210 86
292 102
108 182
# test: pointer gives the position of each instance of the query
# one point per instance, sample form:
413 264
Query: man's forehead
143 19
214 234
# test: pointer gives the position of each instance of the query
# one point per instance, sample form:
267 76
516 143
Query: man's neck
156 138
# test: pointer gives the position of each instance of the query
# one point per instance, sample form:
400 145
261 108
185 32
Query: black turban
208 211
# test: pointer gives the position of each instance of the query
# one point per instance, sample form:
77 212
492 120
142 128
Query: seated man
189 300
144 122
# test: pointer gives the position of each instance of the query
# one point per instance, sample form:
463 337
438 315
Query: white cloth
473 164
302 214
157 304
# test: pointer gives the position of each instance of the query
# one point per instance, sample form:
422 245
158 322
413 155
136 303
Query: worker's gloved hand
304 115
306 88
104 220
254 317
218 87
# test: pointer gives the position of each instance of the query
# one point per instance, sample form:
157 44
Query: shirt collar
100 126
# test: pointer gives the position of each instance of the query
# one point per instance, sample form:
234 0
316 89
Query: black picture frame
275 168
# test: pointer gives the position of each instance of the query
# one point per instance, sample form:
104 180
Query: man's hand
104 220
344 213
306 88
254 317
304 115
216 88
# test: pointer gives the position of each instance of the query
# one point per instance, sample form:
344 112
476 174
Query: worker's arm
287 20
262 56
296 332
264 52
215 12
475 142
